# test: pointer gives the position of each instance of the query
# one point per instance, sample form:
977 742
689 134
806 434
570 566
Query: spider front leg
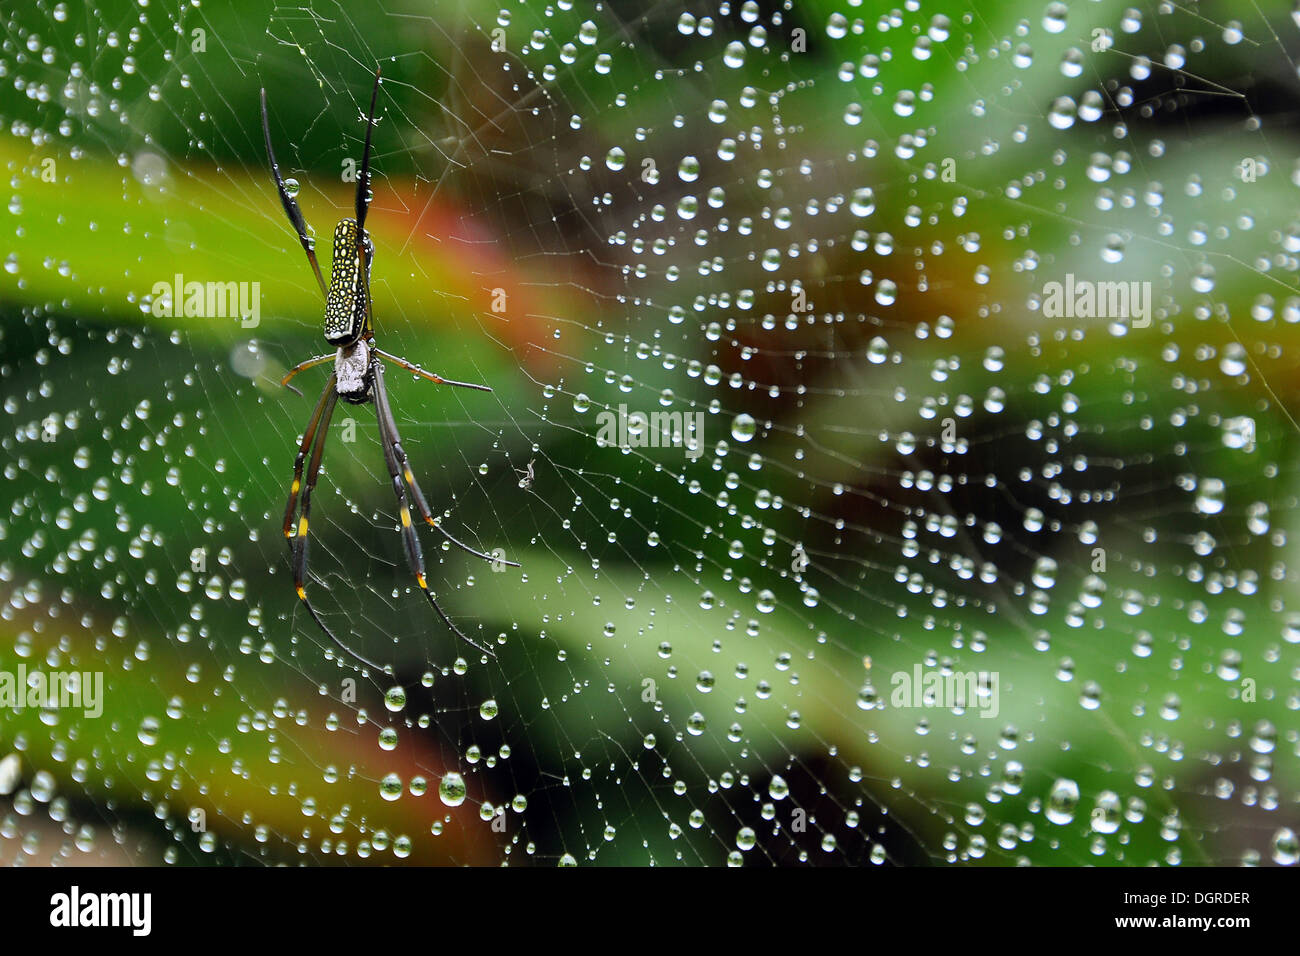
290 204
392 444
302 367
298 543
416 370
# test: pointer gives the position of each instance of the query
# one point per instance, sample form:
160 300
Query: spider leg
290 204
302 367
308 439
416 370
424 510
390 439
363 178
363 201
420 503
298 544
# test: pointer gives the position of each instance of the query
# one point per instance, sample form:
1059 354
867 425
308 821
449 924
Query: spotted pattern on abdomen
345 309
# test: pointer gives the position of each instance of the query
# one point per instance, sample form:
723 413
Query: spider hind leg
401 475
314 438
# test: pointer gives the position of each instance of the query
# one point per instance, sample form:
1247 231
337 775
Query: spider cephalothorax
358 378
352 368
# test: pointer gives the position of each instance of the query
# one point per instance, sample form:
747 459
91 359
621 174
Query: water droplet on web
1285 847
1210 496
147 733
863 203
1062 801
1054 19
743 427
390 787
1062 112
452 790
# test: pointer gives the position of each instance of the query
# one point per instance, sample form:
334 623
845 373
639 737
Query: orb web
800 408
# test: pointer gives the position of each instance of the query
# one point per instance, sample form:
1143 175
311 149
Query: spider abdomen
345 307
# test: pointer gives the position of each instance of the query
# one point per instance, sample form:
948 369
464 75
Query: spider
527 476
358 378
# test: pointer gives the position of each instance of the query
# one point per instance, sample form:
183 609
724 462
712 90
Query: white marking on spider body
351 363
